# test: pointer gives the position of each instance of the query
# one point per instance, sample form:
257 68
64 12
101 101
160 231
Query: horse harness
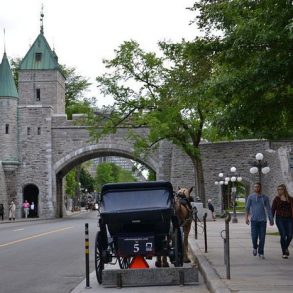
183 200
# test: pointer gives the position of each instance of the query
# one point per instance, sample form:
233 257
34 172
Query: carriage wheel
178 247
98 257
124 262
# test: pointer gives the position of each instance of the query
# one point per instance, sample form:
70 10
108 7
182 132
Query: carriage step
150 277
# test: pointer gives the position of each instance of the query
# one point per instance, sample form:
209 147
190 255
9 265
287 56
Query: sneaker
254 252
285 256
261 256
287 252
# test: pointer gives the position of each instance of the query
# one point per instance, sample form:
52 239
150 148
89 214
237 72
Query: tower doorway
31 194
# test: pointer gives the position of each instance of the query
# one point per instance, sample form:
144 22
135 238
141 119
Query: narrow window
28 131
39 130
6 128
38 57
38 94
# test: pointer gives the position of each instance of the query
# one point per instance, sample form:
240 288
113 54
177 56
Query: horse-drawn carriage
137 220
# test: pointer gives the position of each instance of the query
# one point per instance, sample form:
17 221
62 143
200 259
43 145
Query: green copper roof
7 84
40 56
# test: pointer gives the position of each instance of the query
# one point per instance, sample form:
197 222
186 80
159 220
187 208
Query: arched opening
31 194
242 190
61 196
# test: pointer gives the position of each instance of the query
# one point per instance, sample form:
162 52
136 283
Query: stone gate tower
26 140
41 94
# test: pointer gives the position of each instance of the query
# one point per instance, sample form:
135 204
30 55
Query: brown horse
183 211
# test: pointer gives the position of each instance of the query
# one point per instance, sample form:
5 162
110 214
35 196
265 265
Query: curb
213 281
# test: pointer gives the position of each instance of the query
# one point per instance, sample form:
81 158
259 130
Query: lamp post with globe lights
234 178
220 183
259 166
225 181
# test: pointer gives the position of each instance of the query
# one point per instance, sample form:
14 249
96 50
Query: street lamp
259 166
221 182
233 179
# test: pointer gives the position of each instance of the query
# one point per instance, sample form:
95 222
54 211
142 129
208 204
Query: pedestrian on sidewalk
282 207
12 209
212 209
26 207
258 209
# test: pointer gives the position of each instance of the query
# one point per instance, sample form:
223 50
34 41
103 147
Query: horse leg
186 230
158 262
165 262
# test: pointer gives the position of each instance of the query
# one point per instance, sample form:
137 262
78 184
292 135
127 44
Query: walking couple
258 209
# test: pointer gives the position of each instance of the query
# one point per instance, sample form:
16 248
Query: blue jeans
258 232
285 229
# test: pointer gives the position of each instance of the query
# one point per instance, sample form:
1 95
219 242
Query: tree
86 180
71 184
75 85
111 173
165 94
254 65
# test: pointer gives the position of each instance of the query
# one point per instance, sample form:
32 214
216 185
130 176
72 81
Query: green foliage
71 183
111 173
151 176
14 64
167 95
75 85
86 180
252 75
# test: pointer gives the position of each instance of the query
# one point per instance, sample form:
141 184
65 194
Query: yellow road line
34 236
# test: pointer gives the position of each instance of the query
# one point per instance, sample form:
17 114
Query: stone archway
31 194
64 165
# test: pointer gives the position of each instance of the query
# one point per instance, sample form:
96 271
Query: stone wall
220 157
51 85
3 190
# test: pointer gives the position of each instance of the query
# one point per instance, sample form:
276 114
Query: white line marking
34 236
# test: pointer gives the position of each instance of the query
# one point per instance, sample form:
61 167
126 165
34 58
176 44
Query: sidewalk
249 274
18 220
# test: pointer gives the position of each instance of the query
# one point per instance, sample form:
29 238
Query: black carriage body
138 216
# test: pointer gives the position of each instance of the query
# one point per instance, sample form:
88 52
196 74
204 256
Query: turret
41 82
8 116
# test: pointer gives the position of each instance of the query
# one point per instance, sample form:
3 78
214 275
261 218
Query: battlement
61 120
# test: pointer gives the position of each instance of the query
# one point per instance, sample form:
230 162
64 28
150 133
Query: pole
195 222
205 232
87 260
227 246
259 166
234 219
222 200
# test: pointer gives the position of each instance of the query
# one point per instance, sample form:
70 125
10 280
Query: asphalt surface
44 256
249 274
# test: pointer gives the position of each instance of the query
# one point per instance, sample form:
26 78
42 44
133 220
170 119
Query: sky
84 33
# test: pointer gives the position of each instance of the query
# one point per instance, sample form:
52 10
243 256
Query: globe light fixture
259 166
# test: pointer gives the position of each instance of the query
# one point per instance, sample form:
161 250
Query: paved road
48 256
44 256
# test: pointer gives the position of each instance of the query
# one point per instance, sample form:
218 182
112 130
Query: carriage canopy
122 197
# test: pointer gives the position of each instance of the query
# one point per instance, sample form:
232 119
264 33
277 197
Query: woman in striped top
282 207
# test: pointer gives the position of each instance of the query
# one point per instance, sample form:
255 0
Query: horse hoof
158 264
165 265
187 260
